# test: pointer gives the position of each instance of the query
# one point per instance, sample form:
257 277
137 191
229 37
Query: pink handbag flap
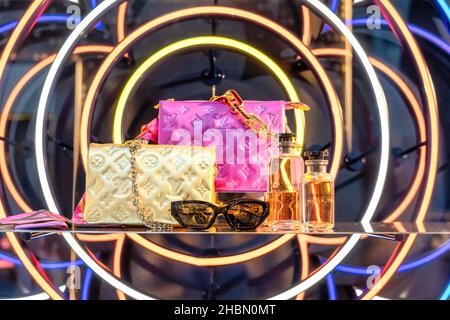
242 157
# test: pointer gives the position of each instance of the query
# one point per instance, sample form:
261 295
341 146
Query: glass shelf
341 228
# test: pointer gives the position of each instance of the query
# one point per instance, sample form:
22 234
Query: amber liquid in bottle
318 196
285 187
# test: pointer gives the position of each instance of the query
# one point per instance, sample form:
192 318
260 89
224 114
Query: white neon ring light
55 69
382 171
48 88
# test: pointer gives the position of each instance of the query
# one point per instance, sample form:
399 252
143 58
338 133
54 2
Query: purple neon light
42 19
404 267
44 265
414 29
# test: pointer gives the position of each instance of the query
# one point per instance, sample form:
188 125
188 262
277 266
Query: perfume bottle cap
287 142
286 137
316 155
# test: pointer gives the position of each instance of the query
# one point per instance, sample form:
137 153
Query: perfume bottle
285 185
318 192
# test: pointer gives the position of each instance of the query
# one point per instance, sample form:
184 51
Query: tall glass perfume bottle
285 185
318 192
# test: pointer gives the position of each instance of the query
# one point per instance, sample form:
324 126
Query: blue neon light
446 294
334 5
86 284
99 25
414 29
445 8
442 6
332 295
44 18
44 265
9 26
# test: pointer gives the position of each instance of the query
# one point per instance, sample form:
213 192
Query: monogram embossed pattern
165 173
212 120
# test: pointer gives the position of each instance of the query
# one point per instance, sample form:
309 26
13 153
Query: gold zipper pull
157 106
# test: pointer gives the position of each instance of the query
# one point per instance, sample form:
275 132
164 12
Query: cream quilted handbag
134 183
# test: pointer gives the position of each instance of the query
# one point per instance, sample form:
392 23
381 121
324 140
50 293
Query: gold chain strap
236 104
134 146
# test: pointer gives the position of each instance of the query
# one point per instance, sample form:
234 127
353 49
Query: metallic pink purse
240 131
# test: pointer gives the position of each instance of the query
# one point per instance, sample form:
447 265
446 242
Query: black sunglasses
200 215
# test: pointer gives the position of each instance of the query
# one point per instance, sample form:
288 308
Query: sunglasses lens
195 215
246 215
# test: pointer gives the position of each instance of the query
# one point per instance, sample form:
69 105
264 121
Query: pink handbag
237 128
220 114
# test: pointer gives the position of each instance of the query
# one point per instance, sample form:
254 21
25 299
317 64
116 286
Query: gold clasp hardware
236 105
257 124
298 105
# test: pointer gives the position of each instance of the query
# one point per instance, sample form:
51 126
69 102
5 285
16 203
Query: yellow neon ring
130 87
199 41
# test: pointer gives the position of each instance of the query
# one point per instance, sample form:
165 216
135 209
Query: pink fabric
78 214
36 219
240 168
149 131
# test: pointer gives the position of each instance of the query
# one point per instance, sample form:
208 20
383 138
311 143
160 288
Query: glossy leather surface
206 123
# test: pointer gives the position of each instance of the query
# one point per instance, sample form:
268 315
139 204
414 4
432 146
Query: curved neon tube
38 296
88 22
427 35
86 284
401 25
33 70
332 295
117 265
100 23
33 12
44 18
227 260
304 253
275 27
416 109
35 9
44 265
414 29
21 84
334 5
381 177
121 14
446 293
400 28
404 267
443 5
211 262
224 11
119 240
306 23
140 72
